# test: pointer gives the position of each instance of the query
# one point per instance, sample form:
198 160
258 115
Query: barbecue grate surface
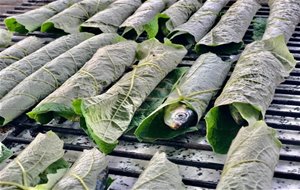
200 167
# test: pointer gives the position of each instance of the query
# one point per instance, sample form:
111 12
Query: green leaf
283 19
52 169
32 20
12 75
195 90
259 27
226 37
23 171
145 18
20 50
105 67
52 179
178 13
152 27
108 115
161 173
198 24
250 90
109 181
251 159
111 18
69 20
49 77
84 172
5 153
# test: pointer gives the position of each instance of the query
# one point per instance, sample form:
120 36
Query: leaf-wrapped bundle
107 116
157 96
69 20
249 91
145 19
24 170
251 159
194 90
18 71
106 66
112 17
48 78
283 19
20 50
227 35
178 14
84 172
5 38
199 24
32 20
160 174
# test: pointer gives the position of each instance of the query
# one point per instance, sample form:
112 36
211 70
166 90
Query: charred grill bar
200 167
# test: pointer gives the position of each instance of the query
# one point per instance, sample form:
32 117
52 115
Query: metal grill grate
200 167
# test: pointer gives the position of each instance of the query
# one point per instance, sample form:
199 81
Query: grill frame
200 167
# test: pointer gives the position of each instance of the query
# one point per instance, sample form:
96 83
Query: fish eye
181 115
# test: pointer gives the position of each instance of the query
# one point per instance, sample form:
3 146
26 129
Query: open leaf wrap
160 174
251 159
106 66
199 23
145 18
69 20
84 172
178 14
227 35
283 19
195 90
18 71
5 38
32 20
107 116
48 78
20 50
250 89
44 150
112 17
157 96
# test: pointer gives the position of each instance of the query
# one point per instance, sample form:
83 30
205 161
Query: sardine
179 115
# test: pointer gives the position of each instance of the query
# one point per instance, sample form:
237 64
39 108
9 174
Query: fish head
179 115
